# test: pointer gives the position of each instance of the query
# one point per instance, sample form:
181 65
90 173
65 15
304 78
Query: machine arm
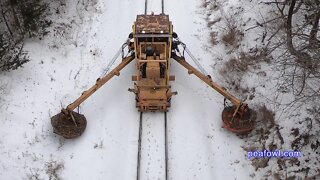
236 118
207 79
99 83
71 124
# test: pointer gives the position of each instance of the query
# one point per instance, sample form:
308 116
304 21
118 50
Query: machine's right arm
192 70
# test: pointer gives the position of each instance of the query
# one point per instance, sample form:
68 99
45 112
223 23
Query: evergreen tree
20 19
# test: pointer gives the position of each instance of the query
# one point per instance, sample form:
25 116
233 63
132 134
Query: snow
64 65
152 147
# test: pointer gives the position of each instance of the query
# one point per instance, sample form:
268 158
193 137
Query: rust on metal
152 24
238 123
65 126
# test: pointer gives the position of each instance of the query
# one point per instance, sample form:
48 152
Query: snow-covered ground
64 65
69 60
285 127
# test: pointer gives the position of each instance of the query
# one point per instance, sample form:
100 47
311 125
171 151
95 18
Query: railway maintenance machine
152 45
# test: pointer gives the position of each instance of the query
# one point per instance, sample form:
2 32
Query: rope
194 59
115 57
196 62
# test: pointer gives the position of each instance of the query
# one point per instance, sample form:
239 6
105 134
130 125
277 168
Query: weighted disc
63 125
240 123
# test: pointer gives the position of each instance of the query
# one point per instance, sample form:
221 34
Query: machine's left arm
71 124
99 83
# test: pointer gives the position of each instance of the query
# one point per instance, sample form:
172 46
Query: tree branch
5 20
292 50
313 41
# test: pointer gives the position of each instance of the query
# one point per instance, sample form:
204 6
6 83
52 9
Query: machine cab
152 45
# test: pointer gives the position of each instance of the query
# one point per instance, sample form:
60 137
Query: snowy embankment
247 68
68 62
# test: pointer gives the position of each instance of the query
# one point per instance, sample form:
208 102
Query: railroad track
146 7
140 144
141 124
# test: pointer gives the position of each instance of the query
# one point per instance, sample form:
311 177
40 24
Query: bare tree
297 42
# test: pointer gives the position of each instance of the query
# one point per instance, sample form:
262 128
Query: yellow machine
152 45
